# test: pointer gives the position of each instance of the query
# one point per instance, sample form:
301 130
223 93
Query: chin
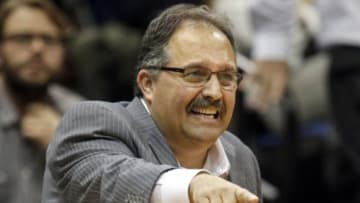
23 85
206 134
36 81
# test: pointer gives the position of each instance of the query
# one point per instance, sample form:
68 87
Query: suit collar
151 133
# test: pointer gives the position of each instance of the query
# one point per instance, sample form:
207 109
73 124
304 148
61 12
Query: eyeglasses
26 39
198 77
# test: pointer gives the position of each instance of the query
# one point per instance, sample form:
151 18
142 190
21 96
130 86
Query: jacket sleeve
94 158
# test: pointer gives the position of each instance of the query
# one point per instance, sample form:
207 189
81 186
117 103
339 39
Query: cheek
54 59
229 100
174 101
14 57
184 97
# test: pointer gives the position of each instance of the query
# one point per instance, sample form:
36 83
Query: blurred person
243 120
238 13
339 37
32 34
169 144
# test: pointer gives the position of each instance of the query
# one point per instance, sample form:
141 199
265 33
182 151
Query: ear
146 84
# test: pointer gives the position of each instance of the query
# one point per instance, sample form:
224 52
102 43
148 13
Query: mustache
201 102
34 60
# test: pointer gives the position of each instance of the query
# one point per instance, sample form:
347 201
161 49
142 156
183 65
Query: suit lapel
162 151
152 135
237 170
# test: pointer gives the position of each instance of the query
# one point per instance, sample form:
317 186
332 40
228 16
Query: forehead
29 20
199 42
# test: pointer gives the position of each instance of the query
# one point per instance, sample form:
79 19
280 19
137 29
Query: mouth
206 112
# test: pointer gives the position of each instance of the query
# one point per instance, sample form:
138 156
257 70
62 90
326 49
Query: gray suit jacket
114 152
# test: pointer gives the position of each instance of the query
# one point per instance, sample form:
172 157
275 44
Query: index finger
244 196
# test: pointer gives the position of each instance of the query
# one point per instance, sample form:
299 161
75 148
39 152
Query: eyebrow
202 65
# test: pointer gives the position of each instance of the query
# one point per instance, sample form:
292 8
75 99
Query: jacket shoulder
234 144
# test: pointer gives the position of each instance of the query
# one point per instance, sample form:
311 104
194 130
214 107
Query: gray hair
152 50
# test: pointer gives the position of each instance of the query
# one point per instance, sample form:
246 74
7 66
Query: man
32 34
170 143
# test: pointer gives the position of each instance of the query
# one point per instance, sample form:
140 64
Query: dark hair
152 49
54 14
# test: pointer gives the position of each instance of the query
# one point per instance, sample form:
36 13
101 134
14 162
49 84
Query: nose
37 45
213 89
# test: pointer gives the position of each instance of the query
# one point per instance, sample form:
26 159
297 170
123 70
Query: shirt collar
217 161
145 105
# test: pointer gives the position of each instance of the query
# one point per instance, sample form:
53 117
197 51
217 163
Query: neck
190 157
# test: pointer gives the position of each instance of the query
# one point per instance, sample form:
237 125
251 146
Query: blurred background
297 146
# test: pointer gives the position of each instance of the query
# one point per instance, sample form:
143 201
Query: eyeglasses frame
239 72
